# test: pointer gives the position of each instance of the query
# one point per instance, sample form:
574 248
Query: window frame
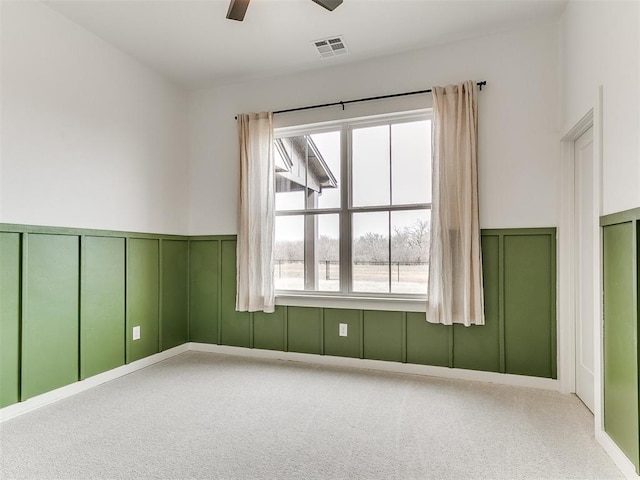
346 296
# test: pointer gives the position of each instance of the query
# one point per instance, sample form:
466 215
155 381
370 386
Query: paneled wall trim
520 308
70 299
621 316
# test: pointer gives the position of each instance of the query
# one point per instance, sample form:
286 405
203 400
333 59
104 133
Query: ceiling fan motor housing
238 8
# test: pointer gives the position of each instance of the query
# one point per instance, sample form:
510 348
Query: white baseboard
47 398
414 369
620 459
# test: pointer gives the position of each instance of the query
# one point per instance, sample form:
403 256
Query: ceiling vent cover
331 47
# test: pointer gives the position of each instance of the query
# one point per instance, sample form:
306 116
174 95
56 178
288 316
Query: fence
330 270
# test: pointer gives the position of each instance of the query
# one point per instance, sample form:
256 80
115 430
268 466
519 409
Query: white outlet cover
136 332
343 330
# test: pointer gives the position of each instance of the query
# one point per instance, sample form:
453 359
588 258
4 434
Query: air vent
331 47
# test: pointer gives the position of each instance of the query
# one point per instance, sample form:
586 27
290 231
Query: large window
353 206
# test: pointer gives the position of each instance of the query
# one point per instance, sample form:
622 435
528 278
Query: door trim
567 284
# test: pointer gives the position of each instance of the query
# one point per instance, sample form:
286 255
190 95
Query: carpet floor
209 416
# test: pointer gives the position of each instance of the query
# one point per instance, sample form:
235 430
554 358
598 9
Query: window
353 204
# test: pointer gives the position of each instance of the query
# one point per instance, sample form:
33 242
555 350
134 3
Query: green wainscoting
143 282
67 296
428 343
50 317
236 327
529 305
383 335
269 329
174 329
482 347
334 344
102 304
519 270
621 267
304 329
204 282
9 318
69 300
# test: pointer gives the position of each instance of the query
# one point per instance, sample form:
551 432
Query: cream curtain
255 264
454 293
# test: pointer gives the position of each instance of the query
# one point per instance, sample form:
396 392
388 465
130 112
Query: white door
585 251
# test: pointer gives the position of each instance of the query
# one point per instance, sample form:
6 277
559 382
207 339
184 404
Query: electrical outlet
136 332
343 330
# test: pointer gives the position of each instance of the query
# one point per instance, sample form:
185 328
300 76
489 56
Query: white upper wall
601 46
90 137
518 121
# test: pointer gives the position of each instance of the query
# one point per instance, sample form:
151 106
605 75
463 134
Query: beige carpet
201 415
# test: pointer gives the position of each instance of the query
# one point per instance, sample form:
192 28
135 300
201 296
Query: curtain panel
255 247
454 293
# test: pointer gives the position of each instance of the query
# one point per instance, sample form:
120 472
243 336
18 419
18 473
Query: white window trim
351 300
390 304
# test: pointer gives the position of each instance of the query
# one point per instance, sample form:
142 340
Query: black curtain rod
367 99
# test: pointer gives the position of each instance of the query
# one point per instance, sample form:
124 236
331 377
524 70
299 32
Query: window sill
356 303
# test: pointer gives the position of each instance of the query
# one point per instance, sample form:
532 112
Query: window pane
327 165
370 251
289 253
328 253
307 171
370 166
411 162
410 251
289 200
308 262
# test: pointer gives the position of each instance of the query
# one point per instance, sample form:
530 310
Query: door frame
567 268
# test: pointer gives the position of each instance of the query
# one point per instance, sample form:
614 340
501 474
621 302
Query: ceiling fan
237 8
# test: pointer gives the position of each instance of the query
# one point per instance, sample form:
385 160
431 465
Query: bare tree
408 245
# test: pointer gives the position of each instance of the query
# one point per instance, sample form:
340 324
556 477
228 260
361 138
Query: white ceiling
192 43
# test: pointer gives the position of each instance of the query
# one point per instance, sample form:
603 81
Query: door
586 217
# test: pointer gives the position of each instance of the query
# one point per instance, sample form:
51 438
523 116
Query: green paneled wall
102 305
180 289
175 293
479 348
427 344
50 327
269 329
235 326
334 344
621 317
304 329
142 297
9 318
518 271
66 295
383 335
204 275
529 283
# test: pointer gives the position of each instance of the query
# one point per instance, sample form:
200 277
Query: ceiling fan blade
330 5
237 9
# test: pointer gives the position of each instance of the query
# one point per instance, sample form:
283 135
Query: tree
408 245
371 247
328 249
289 250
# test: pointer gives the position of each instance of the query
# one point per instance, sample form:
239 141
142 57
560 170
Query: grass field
367 278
